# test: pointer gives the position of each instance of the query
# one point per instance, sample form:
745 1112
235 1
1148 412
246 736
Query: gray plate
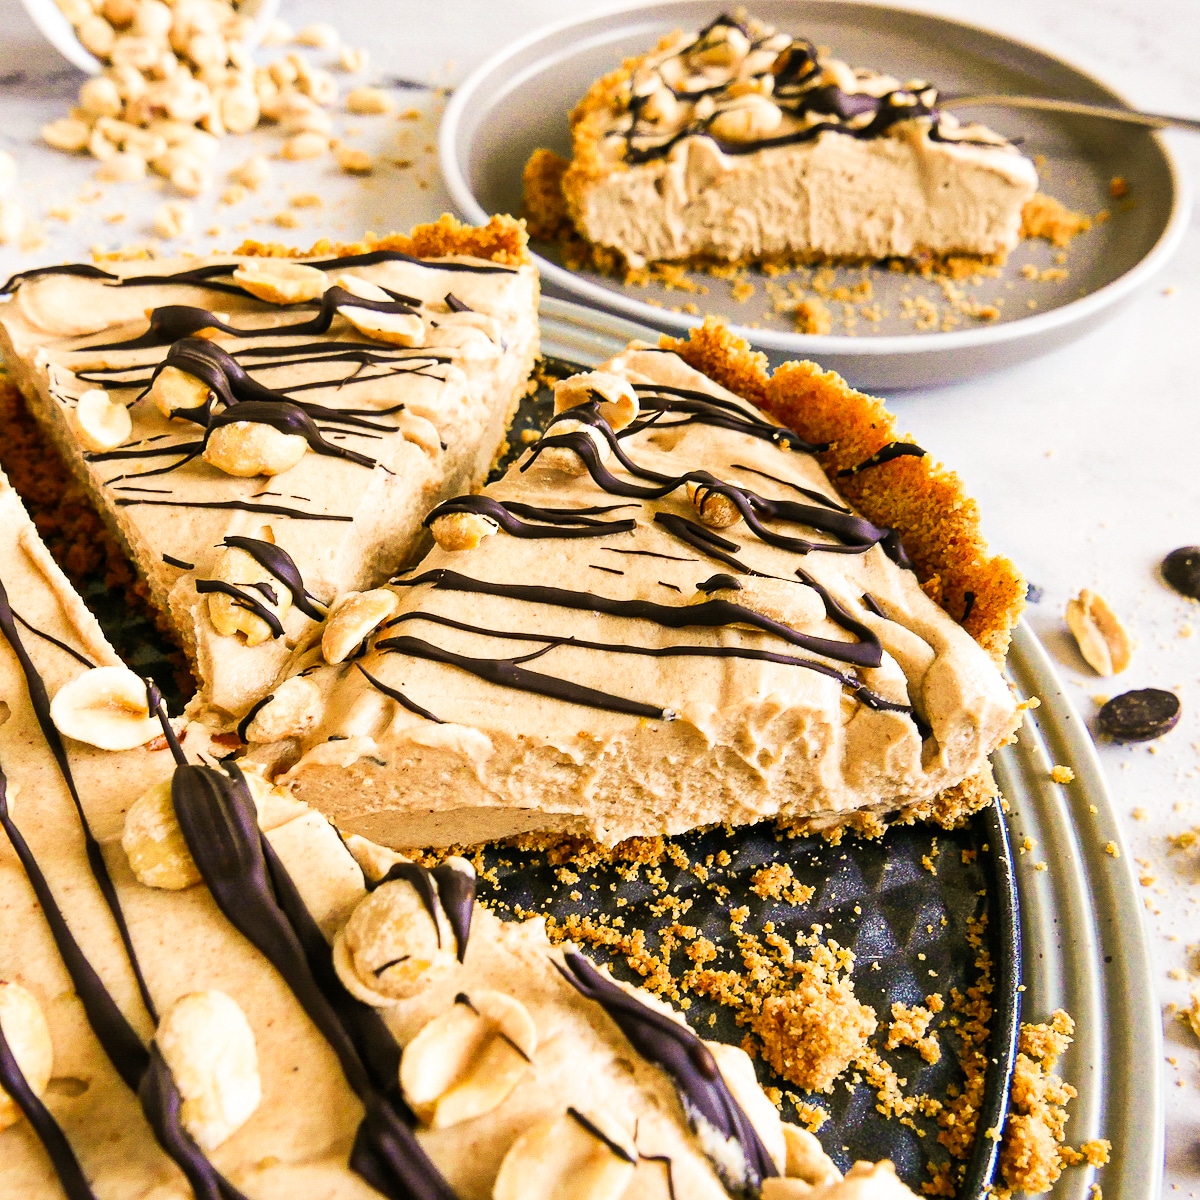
1083 945
520 99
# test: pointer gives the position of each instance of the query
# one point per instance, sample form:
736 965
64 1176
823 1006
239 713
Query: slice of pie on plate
707 594
742 144
205 984
265 431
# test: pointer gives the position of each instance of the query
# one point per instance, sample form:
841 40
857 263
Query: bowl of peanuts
144 34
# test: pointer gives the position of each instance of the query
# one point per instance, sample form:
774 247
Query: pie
238 1003
265 431
708 594
742 144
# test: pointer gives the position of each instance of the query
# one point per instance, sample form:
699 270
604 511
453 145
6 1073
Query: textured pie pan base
519 100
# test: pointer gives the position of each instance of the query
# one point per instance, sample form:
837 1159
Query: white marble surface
1085 463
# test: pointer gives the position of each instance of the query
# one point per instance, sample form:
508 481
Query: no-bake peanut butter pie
265 431
672 611
743 144
205 990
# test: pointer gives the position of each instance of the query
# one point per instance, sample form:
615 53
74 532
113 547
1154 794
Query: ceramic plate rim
1030 327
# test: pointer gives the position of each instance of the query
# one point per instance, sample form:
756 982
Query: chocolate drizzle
281 564
797 90
48 1130
242 600
251 887
276 510
553 522
752 654
132 1061
883 455
47 637
400 698
709 615
40 701
171 322
508 673
706 1098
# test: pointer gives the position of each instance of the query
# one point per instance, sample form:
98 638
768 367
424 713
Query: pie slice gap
708 594
202 983
266 430
739 144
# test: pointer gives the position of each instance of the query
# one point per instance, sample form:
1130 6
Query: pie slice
742 144
207 982
272 437
673 611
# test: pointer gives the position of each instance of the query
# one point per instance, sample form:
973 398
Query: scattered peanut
564 458
67 133
369 101
319 35
293 709
1102 639
253 173
175 389
746 119
173 219
154 843
717 511
354 161
308 144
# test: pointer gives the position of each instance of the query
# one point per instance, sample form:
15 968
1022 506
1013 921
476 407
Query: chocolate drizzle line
399 697
275 510
116 1036
709 615
122 1046
507 673
444 892
255 709
172 322
798 93
591 1127
242 600
48 1130
280 564
252 888
171 561
555 522
702 1091
884 455
46 637
40 701
863 693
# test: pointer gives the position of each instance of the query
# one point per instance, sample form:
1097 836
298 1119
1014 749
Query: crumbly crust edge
502 240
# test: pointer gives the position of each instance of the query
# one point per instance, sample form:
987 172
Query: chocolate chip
1140 716
1181 569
